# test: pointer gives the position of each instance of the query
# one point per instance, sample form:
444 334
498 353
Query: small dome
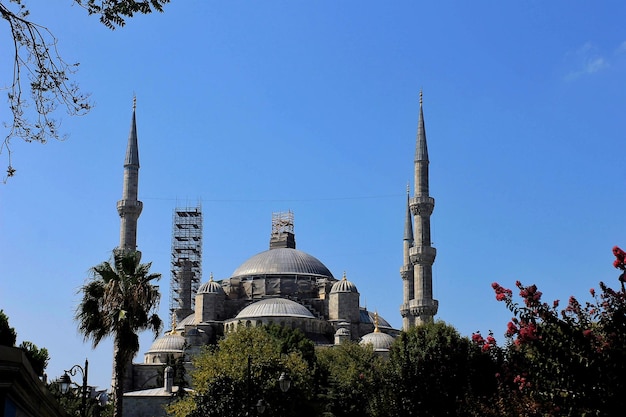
343 285
342 332
379 341
282 261
210 287
276 307
171 342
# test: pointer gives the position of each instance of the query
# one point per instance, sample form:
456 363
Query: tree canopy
119 300
245 367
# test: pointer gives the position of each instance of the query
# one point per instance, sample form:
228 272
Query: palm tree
119 300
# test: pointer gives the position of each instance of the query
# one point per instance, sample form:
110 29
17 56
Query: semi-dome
187 321
169 343
275 307
371 317
282 261
343 285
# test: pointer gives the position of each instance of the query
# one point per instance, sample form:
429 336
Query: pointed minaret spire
419 306
421 155
408 223
129 208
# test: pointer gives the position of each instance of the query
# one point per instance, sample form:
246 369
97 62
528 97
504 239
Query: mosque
284 285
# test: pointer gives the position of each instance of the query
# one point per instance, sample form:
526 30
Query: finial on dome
211 277
376 329
344 276
173 324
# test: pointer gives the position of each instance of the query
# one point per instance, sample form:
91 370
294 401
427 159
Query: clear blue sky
258 107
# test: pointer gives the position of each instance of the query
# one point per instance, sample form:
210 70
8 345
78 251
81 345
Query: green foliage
433 371
119 300
293 340
8 336
38 358
113 12
349 379
242 369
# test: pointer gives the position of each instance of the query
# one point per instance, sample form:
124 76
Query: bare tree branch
36 61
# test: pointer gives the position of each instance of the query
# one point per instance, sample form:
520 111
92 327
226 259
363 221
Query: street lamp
284 382
65 382
260 406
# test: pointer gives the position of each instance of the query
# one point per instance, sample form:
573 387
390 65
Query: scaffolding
282 231
186 259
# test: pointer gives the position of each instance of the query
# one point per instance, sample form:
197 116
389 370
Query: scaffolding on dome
186 259
283 235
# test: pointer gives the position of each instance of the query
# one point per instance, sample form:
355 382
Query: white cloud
586 60
621 49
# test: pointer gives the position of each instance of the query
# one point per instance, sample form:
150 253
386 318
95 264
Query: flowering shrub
572 361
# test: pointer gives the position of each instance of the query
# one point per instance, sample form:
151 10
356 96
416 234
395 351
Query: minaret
421 306
406 272
129 208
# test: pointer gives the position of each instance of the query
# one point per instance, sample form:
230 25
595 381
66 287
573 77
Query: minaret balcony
129 207
423 307
406 272
422 255
422 205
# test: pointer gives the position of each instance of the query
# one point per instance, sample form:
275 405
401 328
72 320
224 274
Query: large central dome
282 261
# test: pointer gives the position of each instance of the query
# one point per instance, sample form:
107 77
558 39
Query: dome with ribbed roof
210 287
379 341
169 343
343 285
281 261
275 307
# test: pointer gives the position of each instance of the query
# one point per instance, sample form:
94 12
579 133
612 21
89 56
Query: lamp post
65 382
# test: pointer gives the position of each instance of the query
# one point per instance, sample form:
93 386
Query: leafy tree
119 300
570 362
231 377
38 358
293 340
433 371
349 379
48 75
7 333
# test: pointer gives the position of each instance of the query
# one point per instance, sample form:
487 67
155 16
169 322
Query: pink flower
477 338
511 329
